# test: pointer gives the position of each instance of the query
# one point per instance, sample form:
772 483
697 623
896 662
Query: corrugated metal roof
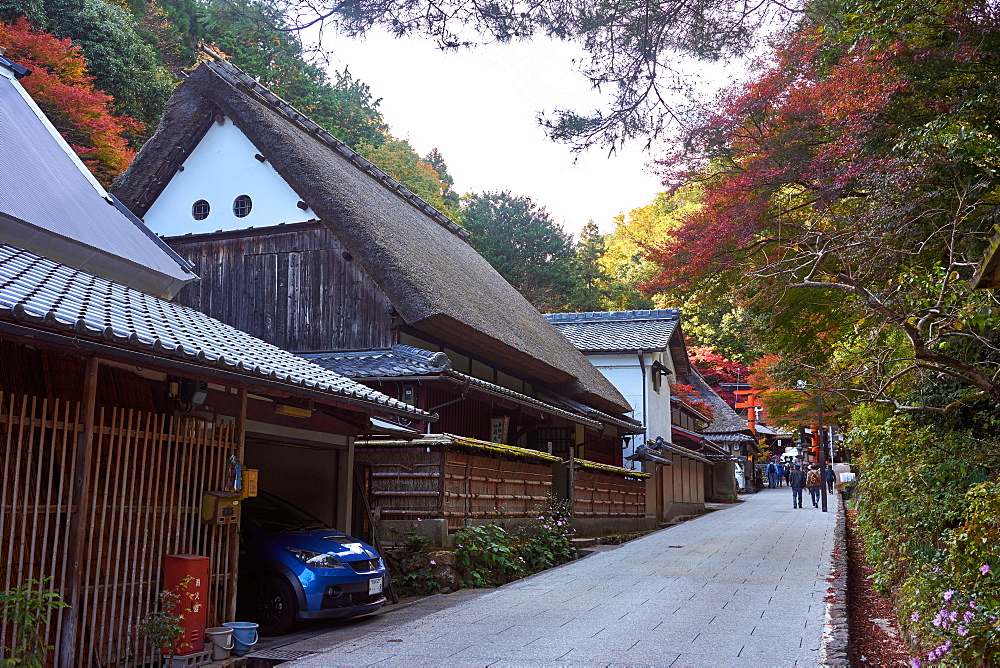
51 204
50 295
617 330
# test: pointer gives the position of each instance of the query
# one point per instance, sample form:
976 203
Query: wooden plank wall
412 483
147 475
295 289
485 488
405 482
600 494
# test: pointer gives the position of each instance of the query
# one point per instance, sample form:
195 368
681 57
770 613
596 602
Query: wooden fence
608 494
454 484
146 477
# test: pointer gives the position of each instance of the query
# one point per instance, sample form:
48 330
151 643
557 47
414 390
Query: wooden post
81 498
234 547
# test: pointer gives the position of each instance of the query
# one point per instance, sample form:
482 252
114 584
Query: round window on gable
200 210
242 206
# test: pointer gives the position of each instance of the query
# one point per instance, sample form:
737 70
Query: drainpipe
465 391
645 409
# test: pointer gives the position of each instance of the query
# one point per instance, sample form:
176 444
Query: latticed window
242 206
200 210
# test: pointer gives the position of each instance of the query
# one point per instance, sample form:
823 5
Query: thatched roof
421 260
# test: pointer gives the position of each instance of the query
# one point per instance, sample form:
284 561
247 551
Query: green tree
448 194
591 283
397 158
255 36
123 65
523 243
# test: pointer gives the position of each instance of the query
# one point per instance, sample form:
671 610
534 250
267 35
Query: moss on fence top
473 444
608 468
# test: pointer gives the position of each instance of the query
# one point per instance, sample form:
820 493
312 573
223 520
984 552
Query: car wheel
272 605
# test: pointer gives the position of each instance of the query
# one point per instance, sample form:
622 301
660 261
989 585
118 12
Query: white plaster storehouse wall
651 408
221 168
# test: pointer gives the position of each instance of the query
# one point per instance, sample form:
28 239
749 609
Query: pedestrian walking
831 478
772 475
781 473
788 474
797 481
813 482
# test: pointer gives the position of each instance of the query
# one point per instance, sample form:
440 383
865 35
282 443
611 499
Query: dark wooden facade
298 289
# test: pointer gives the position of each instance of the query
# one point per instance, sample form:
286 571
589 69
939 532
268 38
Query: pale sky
479 108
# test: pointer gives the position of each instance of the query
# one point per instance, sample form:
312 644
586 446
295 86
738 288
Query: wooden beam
234 555
81 499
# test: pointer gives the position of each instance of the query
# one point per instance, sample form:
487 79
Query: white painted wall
624 372
221 168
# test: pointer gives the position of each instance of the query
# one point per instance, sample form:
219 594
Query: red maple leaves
59 84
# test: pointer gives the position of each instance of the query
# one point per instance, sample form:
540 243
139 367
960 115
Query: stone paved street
742 586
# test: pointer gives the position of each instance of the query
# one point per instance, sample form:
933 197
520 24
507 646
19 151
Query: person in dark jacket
797 481
831 478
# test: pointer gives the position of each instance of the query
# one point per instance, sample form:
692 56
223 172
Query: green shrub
27 607
546 542
487 556
929 511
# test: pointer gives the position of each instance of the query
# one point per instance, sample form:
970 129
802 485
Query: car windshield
276 516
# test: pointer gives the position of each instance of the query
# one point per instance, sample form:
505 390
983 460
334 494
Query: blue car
294 567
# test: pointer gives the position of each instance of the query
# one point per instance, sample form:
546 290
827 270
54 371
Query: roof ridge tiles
615 316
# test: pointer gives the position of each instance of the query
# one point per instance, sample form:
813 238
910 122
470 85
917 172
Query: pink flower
968 615
948 594
915 616
984 569
433 563
962 631
915 663
972 604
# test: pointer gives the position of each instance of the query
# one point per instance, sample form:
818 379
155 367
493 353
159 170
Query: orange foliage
60 85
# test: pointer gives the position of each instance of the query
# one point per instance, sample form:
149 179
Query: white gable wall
221 168
650 408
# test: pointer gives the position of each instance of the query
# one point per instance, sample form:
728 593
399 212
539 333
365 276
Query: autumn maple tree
61 87
849 188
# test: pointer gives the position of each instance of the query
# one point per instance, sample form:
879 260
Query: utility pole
822 447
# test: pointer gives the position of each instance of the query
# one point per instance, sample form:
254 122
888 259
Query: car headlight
316 559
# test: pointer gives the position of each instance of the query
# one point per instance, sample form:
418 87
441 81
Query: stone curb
836 632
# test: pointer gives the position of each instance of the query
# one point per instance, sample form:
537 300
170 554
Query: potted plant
27 608
163 628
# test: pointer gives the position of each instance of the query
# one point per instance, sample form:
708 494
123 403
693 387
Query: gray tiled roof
402 361
618 330
725 419
51 204
50 295
399 360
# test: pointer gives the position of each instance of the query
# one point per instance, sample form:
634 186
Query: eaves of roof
48 295
500 391
702 440
401 362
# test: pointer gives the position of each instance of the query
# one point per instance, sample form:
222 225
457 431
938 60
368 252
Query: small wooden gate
146 477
